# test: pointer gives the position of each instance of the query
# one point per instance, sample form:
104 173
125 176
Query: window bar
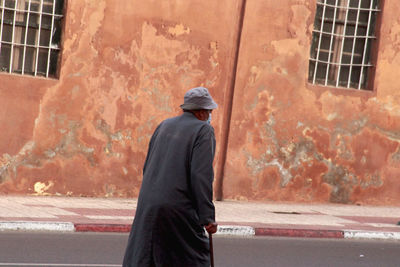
330 44
51 38
12 38
36 12
38 36
354 44
365 46
343 64
350 8
319 42
347 36
26 36
341 50
40 46
2 21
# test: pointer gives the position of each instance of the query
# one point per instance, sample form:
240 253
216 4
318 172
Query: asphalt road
94 249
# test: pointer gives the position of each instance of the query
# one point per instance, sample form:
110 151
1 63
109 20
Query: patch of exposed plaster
122 137
156 60
9 164
371 180
341 145
75 92
178 30
67 147
299 125
258 165
391 135
339 137
107 100
214 57
297 29
392 49
56 119
110 190
293 154
332 116
396 155
70 145
255 73
41 188
298 20
96 17
159 99
340 180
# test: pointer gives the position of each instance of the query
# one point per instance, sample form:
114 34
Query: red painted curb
120 228
299 233
308 233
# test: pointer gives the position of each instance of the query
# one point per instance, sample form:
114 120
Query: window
341 43
30 33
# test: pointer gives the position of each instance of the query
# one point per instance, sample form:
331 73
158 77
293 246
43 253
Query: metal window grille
341 43
30 33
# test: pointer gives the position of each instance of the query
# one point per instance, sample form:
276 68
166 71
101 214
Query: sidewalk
28 213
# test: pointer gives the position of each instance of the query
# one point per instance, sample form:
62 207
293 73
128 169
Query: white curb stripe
235 230
37 226
353 234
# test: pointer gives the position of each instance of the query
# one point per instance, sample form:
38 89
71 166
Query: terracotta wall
293 141
126 65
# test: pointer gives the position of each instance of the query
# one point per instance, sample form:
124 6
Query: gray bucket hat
198 98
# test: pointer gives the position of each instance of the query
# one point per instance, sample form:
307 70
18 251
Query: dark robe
175 199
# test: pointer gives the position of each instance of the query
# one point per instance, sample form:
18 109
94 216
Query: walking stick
211 250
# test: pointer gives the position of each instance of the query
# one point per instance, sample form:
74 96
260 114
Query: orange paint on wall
126 65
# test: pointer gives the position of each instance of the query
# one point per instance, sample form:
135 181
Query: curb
235 230
115 228
230 230
354 234
37 226
310 233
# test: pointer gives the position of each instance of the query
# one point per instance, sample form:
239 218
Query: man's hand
211 228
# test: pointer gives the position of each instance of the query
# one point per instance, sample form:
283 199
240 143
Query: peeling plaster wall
292 141
125 67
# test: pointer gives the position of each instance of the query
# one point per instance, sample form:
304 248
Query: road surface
106 250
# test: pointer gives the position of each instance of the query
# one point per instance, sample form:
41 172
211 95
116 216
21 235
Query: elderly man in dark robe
175 201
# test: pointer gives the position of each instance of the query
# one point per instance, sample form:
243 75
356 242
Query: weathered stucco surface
293 141
125 67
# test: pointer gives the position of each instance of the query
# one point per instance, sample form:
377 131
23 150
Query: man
175 200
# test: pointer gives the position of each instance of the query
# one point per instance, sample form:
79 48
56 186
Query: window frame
370 88
23 25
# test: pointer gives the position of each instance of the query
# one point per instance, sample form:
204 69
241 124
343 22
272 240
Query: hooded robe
175 199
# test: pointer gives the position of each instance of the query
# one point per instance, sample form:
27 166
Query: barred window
344 31
30 33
